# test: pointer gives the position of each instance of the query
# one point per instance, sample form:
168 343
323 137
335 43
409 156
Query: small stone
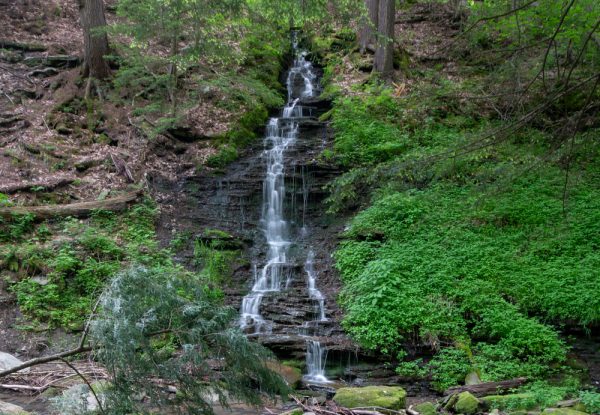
466 403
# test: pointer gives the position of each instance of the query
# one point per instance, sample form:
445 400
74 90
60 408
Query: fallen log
79 209
487 388
47 184
25 47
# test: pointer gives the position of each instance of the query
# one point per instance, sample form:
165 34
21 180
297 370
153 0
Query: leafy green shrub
16 227
365 132
591 400
450 366
226 155
432 267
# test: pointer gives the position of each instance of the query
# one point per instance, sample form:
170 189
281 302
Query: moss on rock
425 408
466 403
389 397
292 375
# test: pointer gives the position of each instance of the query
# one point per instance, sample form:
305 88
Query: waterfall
313 291
281 133
315 362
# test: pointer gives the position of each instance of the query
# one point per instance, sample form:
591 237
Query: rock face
389 397
231 203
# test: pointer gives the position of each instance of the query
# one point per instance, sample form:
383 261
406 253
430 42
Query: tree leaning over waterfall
95 40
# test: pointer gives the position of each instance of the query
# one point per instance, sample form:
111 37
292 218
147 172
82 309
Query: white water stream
281 133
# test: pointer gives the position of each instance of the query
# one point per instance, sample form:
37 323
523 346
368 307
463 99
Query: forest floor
58 151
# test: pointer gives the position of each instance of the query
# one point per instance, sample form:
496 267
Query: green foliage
539 21
4 200
216 264
545 394
413 369
226 155
71 271
141 307
16 227
591 400
441 266
364 133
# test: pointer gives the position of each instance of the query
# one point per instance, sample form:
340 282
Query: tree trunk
384 56
368 25
487 388
95 44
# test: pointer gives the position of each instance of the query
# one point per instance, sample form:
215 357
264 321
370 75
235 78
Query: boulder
8 361
10 409
466 403
562 411
292 375
425 408
513 401
389 397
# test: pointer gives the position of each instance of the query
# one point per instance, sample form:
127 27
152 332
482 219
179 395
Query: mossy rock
389 397
562 411
513 401
292 375
466 403
425 408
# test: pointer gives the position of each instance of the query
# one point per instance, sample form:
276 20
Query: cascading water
313 291
280 135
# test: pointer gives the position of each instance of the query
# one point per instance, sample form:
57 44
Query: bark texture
384 56
369 25
92 17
